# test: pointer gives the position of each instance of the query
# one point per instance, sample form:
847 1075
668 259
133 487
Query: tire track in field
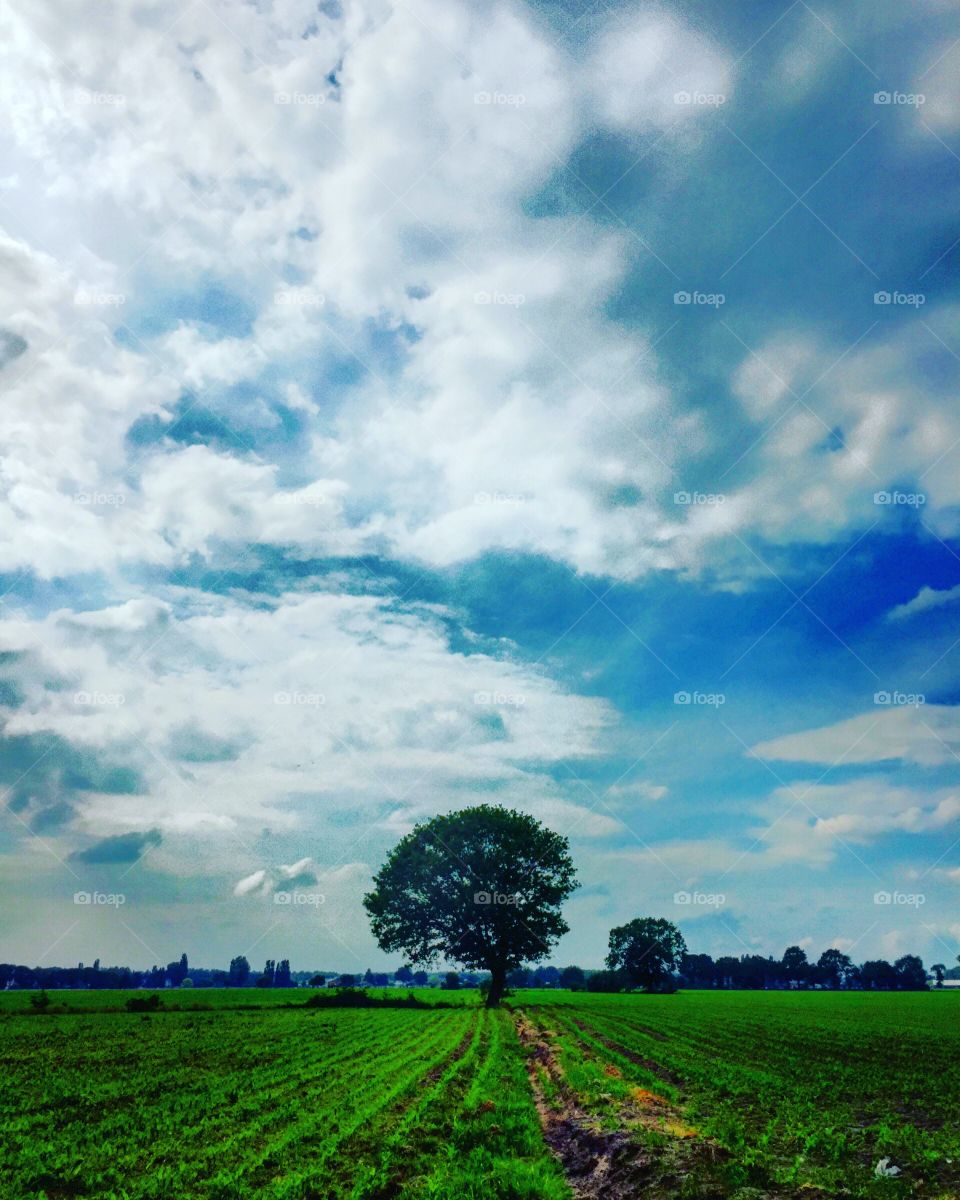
597 1163
614 1164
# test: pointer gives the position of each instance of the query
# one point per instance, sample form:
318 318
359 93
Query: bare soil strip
603 1164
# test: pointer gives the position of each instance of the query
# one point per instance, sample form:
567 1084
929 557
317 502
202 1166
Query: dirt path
623 1164
597 1163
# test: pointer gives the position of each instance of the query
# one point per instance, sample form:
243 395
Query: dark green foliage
481 887
141 1004
648 951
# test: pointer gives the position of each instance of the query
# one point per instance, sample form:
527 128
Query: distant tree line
646 954
833 970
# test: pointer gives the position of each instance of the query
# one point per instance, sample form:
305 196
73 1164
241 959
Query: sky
415 403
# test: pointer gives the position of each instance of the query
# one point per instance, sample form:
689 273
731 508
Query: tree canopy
647 951
481 887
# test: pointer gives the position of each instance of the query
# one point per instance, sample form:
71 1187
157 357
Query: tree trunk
498 985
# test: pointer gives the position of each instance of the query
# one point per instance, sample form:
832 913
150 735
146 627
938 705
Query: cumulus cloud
814 825
232 711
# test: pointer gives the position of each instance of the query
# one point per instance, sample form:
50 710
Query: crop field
739 1094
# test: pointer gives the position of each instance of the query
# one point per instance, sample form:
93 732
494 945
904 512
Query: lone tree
481 887
647 951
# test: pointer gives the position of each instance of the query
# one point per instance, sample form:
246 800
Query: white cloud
328 694
928 735
923 601
644 61
816 824
408 174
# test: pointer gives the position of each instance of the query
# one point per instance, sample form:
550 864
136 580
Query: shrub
151 1003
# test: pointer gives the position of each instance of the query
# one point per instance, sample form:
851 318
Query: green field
699 1094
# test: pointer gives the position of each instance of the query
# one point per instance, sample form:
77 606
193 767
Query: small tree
39 1001
318 981
795 965
939 970
481 887
451 981
836 968
403 974
647 950
910 975
239 975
